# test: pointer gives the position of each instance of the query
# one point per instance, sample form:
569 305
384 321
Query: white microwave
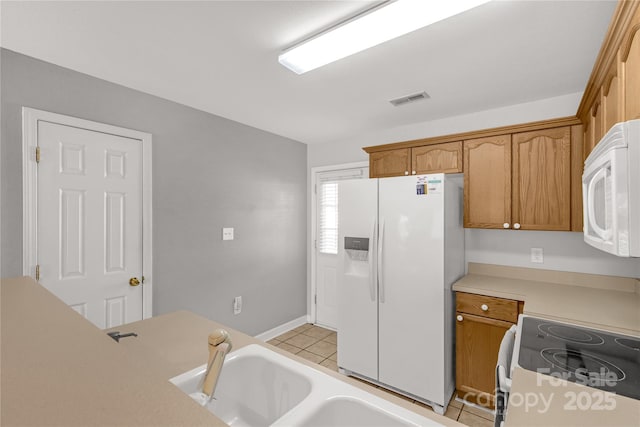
611 192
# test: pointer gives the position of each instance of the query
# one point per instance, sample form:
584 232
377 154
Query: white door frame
315 171
30 119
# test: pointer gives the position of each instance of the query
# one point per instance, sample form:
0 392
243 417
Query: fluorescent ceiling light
370 29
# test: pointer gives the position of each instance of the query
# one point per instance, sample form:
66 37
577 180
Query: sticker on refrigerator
421 186
434 185
426 185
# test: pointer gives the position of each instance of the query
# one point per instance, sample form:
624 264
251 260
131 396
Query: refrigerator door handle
380 271
372 277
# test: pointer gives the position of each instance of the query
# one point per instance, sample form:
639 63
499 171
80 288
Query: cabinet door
542 179
437 158
631 65
487 182
611 98
597 120
477 343
389 163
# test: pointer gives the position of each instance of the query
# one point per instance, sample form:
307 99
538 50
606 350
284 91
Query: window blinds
328 205
328 226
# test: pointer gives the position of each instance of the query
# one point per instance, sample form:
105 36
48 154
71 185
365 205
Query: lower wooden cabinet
478 338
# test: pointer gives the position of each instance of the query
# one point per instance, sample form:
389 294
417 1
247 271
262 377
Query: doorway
324 211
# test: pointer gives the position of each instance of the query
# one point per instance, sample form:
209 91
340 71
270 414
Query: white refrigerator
401 246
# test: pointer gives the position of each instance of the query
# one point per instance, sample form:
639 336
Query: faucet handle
218 337
216 359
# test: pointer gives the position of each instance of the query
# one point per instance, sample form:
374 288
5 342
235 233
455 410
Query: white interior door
89 221
326 248
326 254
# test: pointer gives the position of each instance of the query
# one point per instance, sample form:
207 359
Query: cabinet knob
505 225
406 172
459 318
484 307
413 172
516 226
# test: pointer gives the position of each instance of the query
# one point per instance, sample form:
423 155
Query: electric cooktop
594 358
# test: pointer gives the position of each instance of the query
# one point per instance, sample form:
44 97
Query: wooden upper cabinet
612 94
588 140
597 120
437 158
487 182
611 98
631 64
389 163
542 179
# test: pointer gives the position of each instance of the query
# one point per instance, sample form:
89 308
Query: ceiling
221 57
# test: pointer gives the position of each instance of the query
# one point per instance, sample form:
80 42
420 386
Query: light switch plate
227 233
537 255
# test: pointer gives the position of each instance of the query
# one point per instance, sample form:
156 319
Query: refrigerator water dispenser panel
357 248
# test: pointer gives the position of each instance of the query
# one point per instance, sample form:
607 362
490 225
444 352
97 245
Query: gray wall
208 172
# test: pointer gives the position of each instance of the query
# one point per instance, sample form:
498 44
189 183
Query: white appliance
611 192
401 246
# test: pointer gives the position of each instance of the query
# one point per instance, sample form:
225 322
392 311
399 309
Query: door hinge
37 272
142 280
37 154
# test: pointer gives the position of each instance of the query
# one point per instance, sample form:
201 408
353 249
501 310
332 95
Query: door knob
134 281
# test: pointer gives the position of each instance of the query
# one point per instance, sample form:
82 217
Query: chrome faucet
219 346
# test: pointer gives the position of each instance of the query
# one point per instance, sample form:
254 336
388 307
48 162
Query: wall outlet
537 255
227 233
237 305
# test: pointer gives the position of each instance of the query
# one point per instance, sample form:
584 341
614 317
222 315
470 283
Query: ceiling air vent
409 98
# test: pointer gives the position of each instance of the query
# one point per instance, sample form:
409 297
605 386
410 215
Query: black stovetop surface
603 360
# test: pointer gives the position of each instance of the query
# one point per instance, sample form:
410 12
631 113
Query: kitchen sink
260 387
255 388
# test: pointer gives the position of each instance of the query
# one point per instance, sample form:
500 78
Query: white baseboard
285 327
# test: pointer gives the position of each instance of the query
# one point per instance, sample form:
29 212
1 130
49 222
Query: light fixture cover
385 23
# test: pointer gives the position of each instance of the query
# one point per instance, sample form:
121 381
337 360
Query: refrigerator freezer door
411 316
357 289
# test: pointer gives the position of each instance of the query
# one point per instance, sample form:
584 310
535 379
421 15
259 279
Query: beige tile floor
319 346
